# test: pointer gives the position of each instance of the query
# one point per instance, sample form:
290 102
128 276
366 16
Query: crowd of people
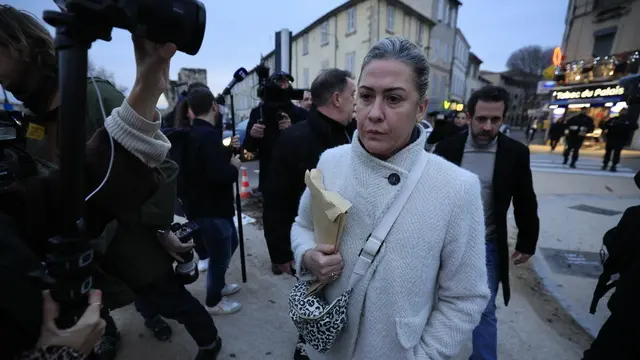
417 287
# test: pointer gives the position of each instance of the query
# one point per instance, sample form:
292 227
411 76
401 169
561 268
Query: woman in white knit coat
427 287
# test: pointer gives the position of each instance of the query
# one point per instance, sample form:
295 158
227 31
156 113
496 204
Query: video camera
271 93
78 25
181 22
15 164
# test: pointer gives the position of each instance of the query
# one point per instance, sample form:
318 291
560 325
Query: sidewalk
533 327
575 211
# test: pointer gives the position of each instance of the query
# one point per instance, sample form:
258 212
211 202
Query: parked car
241 130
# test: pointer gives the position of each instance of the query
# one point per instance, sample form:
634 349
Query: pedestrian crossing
585 166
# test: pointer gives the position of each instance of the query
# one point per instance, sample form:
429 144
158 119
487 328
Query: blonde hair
26 38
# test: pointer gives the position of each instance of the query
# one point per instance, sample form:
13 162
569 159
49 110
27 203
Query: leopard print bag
319 322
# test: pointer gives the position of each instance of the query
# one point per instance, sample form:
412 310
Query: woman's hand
323 261
83 335
152 75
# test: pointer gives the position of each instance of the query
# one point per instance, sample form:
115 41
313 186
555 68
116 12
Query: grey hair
401 49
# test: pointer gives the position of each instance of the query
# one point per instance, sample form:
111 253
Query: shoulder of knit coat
139 136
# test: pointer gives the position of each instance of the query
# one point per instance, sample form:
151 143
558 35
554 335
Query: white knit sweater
427 288
139 136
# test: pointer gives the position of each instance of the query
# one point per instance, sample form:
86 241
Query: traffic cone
245 187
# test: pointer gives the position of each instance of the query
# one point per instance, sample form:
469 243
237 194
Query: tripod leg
243 264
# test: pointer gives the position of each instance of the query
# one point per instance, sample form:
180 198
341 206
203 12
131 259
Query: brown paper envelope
328 210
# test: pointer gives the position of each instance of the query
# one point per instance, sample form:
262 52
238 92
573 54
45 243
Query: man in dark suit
502 165
297 150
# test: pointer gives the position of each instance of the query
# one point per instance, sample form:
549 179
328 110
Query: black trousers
170 299
553 143
572 147
614 149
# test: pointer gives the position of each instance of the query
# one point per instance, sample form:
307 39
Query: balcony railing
599 69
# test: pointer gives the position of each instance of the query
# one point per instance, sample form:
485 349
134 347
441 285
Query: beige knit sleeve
138 135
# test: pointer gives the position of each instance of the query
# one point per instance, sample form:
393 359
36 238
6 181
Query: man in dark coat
502 165
297 150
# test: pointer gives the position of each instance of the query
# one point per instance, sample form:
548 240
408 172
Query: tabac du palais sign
588 93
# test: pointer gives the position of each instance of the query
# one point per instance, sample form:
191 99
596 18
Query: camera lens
182 22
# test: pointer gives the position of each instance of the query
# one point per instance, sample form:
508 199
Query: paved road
584 166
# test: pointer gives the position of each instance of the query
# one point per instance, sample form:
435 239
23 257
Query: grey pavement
533 327
575 211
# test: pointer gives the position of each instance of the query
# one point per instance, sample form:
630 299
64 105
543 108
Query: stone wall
186 76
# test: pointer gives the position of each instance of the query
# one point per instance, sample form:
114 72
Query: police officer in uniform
576 130
618 131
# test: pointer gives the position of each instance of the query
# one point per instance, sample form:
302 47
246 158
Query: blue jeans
220 239
485 335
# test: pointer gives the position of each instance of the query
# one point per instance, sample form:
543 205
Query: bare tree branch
530 60
103 73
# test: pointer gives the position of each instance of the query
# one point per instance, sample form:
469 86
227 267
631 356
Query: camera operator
139 252
267 120
618 131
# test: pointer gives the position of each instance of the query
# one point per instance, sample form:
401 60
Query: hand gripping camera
187 270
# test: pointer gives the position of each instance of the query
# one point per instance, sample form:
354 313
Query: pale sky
239 31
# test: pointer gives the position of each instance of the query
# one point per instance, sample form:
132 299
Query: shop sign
453 105
589 93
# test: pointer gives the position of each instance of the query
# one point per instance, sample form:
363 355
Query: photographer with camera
136 252
266 121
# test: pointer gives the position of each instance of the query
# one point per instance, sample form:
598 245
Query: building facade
599 28
600 46
441 52
186 76
459 68
341 38
473 80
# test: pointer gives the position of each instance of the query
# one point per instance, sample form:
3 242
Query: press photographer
275 113
137 248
